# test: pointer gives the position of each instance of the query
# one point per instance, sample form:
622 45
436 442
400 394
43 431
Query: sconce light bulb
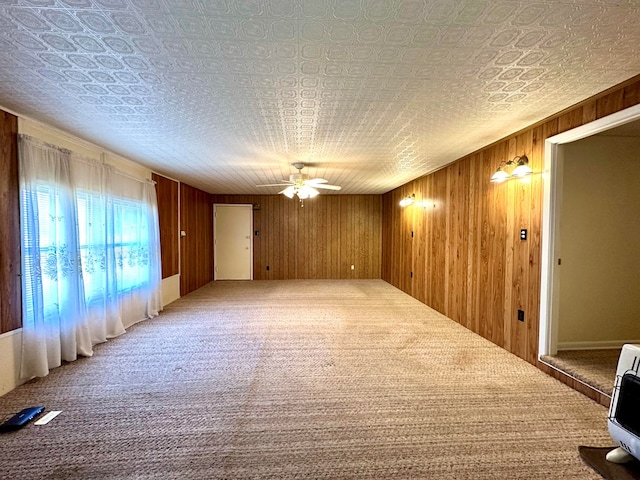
406 201
522 170
499 176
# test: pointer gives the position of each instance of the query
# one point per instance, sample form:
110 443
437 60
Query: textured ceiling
226 94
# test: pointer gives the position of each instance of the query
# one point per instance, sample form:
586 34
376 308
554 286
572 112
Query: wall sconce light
406 201
522 169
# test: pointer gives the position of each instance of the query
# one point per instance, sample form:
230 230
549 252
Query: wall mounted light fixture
522 169
408 200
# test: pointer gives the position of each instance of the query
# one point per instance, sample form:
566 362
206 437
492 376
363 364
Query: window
112 234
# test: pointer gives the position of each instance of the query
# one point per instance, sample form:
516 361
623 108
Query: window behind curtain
127 249
91 254
115 234
38 252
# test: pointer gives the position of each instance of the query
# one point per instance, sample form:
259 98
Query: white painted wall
170 289
599 303
10 351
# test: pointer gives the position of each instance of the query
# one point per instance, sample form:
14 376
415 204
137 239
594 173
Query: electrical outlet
521 315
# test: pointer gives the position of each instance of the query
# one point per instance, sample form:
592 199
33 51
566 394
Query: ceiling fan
301 185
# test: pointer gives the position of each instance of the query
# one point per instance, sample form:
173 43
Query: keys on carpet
20 419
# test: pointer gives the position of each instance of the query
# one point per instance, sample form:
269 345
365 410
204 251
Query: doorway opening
590 360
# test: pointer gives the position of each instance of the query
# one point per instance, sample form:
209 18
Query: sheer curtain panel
91 254
54 323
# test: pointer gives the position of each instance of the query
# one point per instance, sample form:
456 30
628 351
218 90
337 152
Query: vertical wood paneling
257 239
167 193
520 271
457 240
10 264
334 237
630 95
291 255
428 211
406 283
438 240
486 196
347 236
534 244
391 217
471 264
420 228
389 213
196 248
320 240
609 104
477 182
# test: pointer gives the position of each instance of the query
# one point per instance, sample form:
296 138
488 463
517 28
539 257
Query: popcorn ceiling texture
373 93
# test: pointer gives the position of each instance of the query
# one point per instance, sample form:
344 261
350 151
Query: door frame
550 251
215 247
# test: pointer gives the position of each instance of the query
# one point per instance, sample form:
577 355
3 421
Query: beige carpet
596 368
305 380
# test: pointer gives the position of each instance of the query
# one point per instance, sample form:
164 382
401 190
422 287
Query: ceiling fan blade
275 184
328 187
316 181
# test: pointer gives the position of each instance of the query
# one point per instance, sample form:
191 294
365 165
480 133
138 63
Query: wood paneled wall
320 240
167 192
467 259
10 264
196 248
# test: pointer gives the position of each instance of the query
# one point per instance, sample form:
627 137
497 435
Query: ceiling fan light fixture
301 185
289 192
305 192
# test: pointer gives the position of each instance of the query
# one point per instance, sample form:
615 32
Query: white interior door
233 242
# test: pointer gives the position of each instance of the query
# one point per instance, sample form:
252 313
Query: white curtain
90 254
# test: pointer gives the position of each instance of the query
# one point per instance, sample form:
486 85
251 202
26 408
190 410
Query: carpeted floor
596 368
306 380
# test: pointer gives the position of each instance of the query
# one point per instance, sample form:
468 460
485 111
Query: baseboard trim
11 333
594 345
